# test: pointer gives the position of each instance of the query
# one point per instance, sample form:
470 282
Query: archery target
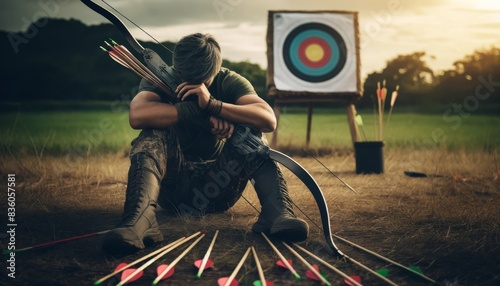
315 52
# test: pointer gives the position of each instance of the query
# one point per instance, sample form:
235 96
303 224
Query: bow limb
314 188
117 22
153 61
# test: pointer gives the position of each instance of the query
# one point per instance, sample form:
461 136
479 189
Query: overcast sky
445 29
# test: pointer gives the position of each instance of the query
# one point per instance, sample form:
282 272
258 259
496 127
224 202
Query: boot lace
133 201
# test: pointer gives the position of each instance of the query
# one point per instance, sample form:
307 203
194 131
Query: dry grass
448 226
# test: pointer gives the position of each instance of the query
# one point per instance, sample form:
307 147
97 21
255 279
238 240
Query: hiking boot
277 217
138 225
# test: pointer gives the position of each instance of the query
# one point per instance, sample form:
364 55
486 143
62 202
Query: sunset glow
486 4
446 30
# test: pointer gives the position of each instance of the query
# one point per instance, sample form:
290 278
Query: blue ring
294 52
297 68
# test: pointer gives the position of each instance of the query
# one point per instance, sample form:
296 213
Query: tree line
62 61
476 75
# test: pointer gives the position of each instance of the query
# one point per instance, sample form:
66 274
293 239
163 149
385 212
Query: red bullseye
311 61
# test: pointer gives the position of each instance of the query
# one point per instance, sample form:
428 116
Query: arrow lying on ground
52 243
206 262
165 271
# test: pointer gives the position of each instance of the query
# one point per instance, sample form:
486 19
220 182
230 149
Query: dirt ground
448 226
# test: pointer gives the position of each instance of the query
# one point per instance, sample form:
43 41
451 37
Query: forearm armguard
189 111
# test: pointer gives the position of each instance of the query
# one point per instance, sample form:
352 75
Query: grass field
87 132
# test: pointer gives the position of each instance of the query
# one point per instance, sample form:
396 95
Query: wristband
213 107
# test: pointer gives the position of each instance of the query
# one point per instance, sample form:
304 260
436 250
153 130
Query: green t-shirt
197 143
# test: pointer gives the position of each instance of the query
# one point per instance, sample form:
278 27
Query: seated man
196 157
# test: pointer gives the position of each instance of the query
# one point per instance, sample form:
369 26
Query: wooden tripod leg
351 114
309 123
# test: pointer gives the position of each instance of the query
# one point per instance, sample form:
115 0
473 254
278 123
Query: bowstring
307 216
331 172
144 31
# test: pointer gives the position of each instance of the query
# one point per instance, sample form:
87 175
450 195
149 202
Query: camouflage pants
197 188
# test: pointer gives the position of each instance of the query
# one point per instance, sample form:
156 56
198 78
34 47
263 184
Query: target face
314 52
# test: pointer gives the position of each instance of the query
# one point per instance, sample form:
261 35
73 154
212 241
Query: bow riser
166 73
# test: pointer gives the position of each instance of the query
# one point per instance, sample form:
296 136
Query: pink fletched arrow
122 266
230 281
165 271
155 258
355 278
206 262
262 281
124 57
283 262
56 242
348 279
313 272
380 275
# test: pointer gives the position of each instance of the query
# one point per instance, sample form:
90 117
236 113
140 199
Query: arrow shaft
259 267
237 269
282 258
126 62
371 271
152 260
335 269
175 261
131 59
137 261
135 65
51 243
335 175
119 60
309 266
385 259
207 254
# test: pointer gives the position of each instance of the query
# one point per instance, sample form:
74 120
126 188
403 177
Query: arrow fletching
127 272
394 95
165 271
202 264
131 271
359 120
230 281
313 274
416 269
281 264
223 282
353 277
259 283
207 265
165 267
383 272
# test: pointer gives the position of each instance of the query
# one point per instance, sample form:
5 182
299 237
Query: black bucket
369 157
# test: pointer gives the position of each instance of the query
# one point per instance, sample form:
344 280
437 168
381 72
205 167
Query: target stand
313 57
